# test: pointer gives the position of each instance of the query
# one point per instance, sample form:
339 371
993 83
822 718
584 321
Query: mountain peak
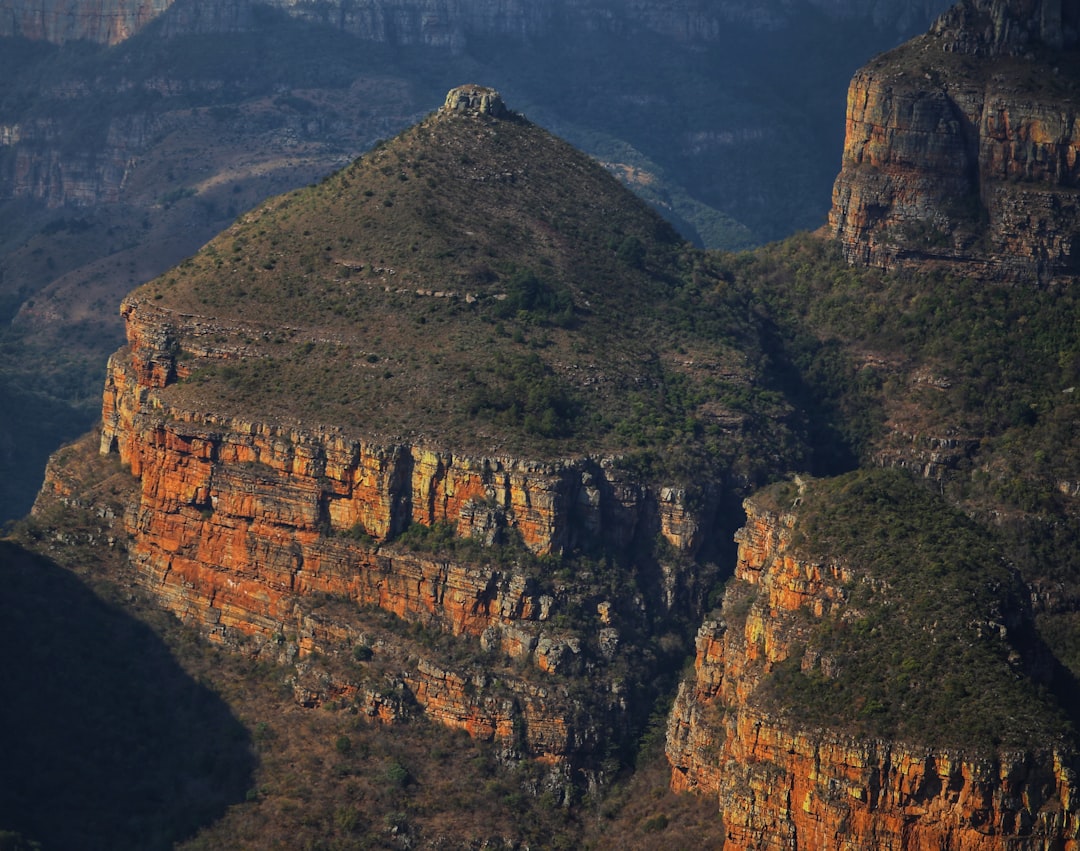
475 100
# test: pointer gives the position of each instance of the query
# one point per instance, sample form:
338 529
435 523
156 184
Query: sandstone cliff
959 151
277 531
236 526
785 780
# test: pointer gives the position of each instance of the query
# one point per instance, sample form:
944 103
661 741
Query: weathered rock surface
241 528
341 483
783 785
315 634
957 151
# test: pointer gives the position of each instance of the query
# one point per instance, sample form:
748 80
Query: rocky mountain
456 439
961 146
315 398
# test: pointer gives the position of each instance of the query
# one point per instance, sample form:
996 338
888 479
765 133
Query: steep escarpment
42 169
961 147
59 22
871 680
400 395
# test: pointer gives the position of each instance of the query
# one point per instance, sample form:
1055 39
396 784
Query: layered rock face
781 784
1008 27
238 525
958 152
59 21
344 483
315 635
43 170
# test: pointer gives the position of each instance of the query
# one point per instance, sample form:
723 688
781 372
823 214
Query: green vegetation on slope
933 643
901 358
480 283
973 382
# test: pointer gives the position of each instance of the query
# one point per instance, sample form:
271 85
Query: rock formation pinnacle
474 100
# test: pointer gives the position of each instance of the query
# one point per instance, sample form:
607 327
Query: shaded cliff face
801 754
958 150
58 22
1008 27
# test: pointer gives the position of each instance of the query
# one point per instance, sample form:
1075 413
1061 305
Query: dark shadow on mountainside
105 741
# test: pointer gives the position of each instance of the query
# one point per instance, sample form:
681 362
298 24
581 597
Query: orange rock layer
234 523
782 787
323 480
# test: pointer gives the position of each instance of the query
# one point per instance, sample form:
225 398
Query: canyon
130 135
475 456
432 24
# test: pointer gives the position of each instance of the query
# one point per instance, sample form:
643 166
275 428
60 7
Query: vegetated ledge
873 678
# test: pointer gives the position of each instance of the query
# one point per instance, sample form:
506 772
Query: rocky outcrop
957 153
783 783
475 100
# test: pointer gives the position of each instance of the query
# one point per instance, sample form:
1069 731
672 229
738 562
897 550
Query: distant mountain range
448 24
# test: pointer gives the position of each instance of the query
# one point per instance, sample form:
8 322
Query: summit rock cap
475 100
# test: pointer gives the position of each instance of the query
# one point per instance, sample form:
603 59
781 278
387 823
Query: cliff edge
402 393
866 683
961 147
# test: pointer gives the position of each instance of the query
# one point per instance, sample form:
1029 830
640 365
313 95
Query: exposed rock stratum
267 523
962 147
